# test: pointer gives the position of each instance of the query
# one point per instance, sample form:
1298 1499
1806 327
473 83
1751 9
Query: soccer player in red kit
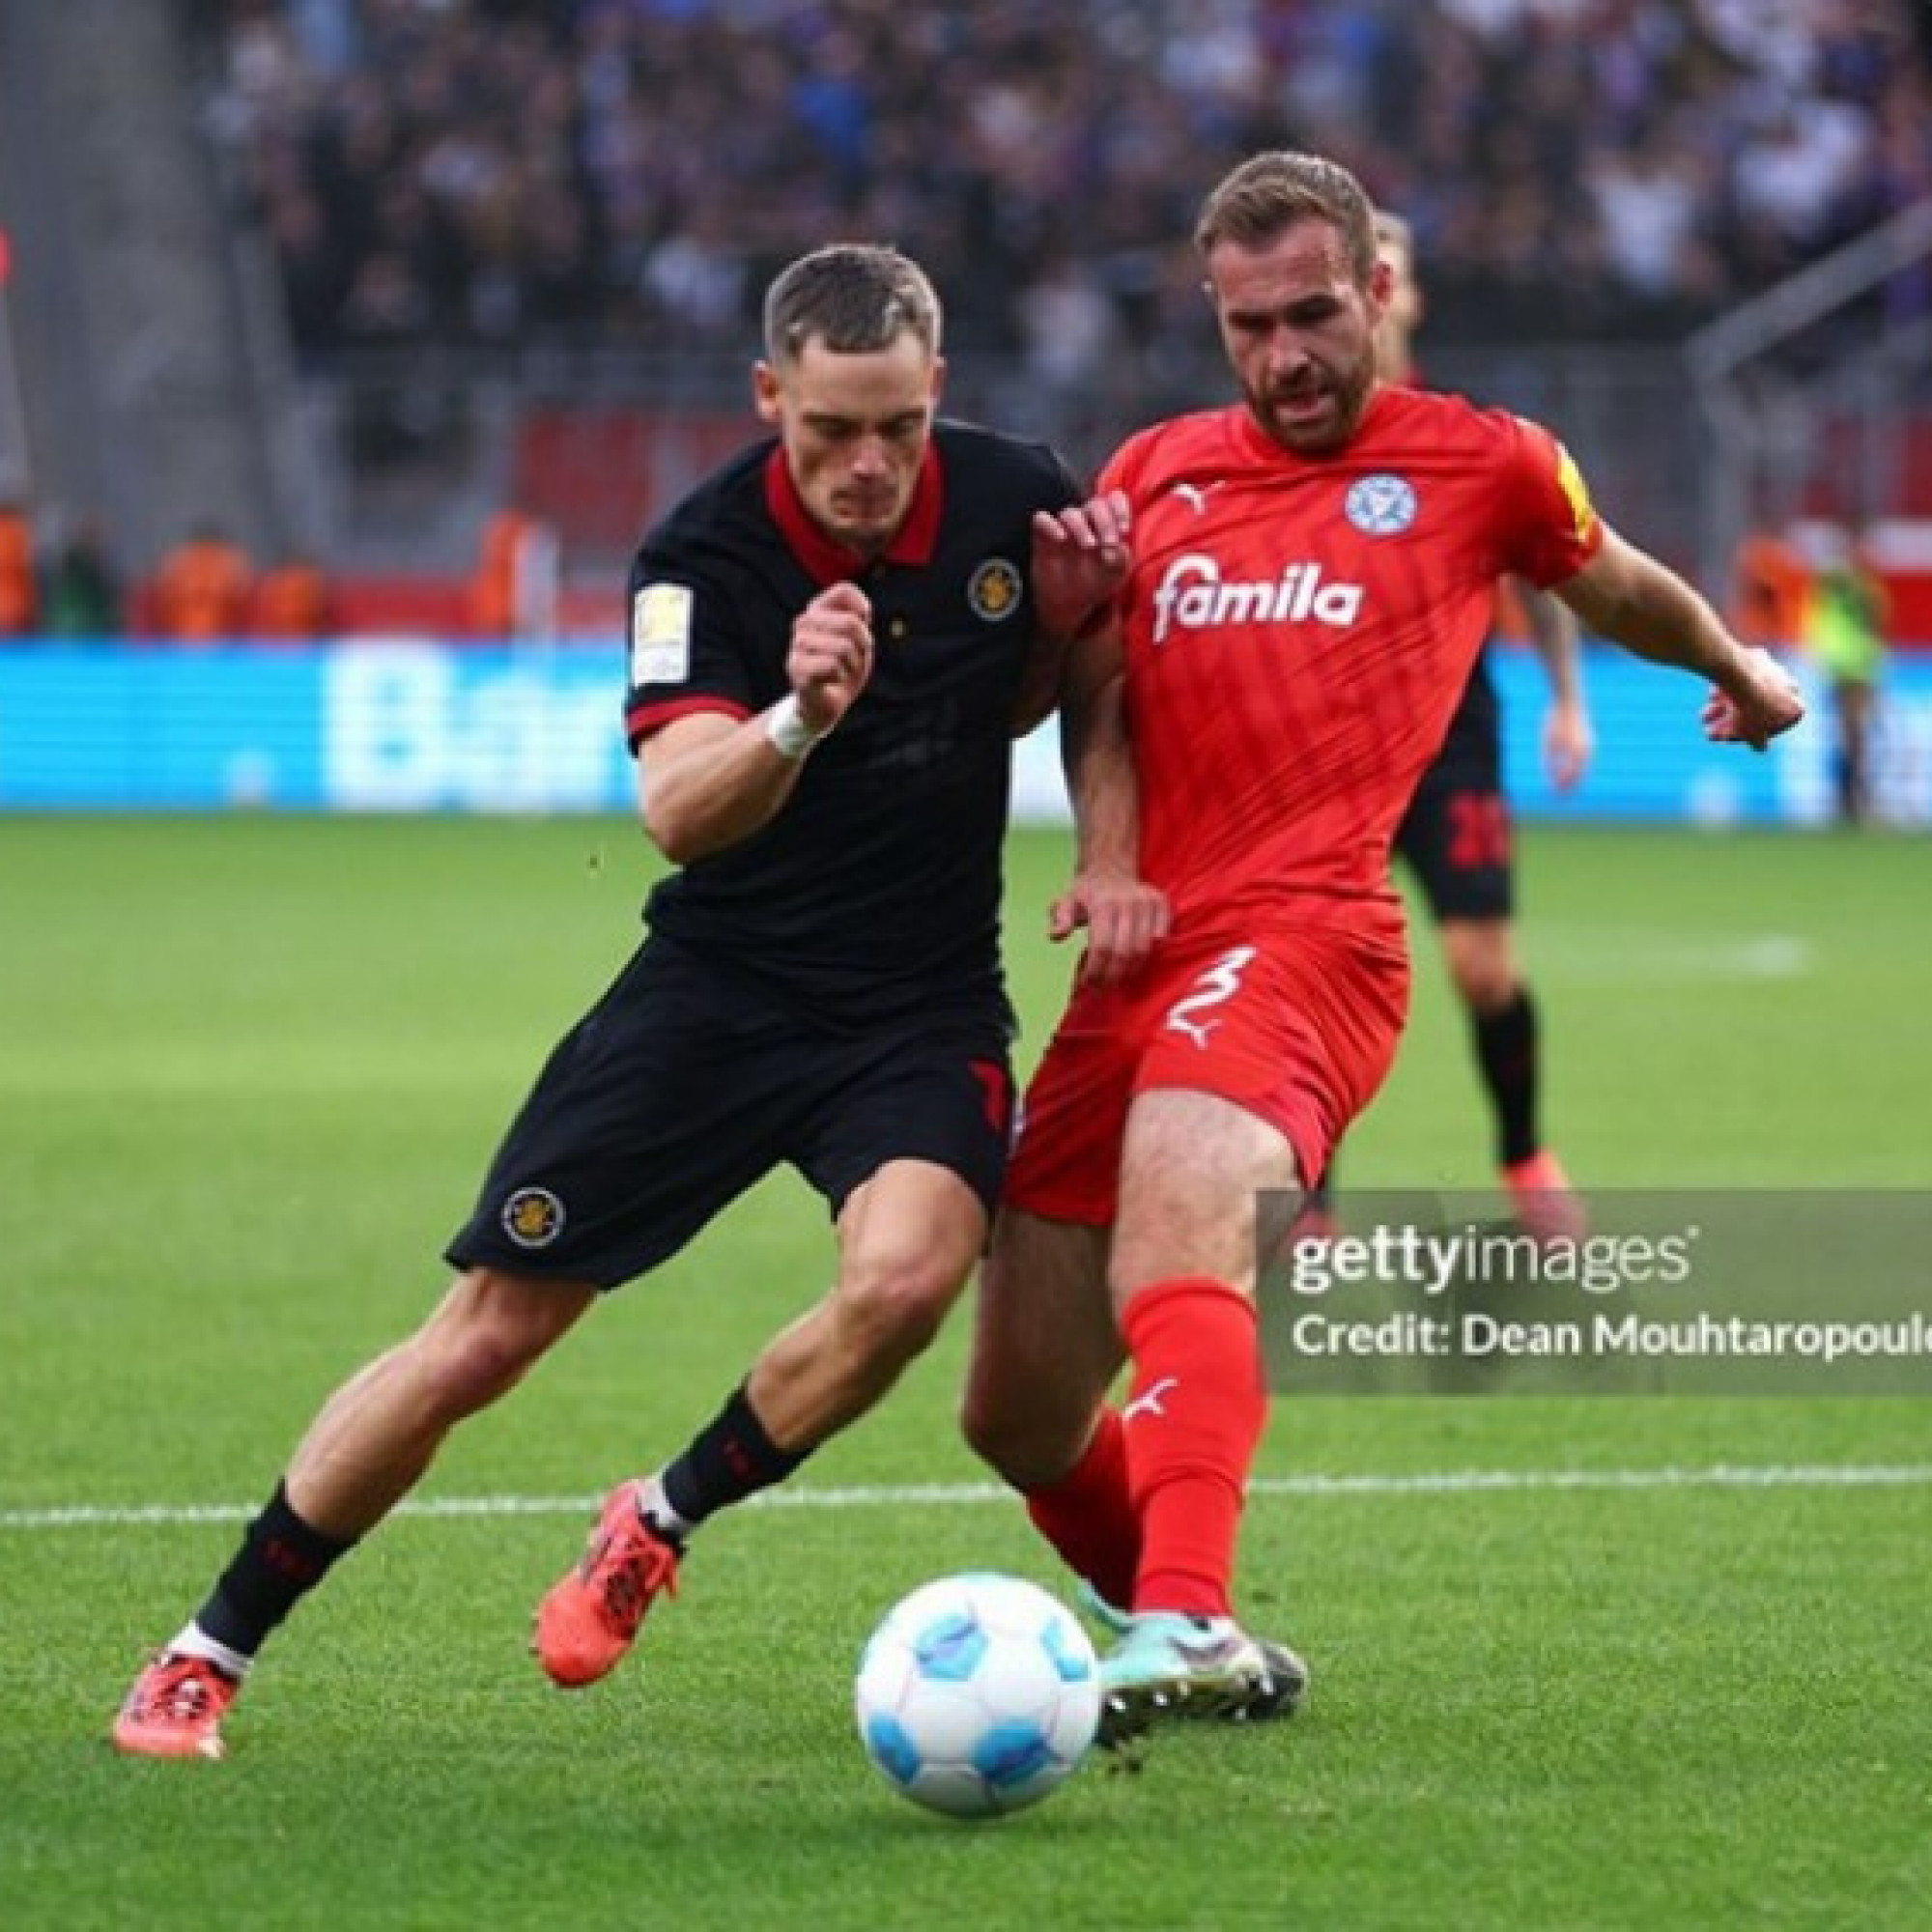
1457 840
1310 579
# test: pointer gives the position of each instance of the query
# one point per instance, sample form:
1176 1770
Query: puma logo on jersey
1193 595
1195 496
1196 1031
1149 1403
1214 987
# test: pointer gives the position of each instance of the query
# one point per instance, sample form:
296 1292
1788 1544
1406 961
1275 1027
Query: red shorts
1298 1026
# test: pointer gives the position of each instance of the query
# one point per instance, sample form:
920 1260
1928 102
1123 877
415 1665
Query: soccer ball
978 1694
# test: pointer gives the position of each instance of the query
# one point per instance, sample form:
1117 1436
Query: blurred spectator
1647 200
19 595
525 171
294 600
1069 331
80 587
201 591
312 272
388 305
698 276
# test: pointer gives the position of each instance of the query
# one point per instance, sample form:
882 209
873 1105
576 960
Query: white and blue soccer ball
978 1694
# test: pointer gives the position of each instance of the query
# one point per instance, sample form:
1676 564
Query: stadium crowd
503 172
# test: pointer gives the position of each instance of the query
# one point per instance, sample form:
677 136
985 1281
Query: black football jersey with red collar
877 884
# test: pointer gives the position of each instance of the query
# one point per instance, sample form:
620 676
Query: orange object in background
294 600
201 592
514 593
19 601
1772 593
493 595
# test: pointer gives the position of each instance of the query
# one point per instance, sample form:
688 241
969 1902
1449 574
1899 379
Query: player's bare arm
1568 740
706 782
1079 561
1626 595
1122 916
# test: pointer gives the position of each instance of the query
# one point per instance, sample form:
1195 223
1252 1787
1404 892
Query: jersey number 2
1218 984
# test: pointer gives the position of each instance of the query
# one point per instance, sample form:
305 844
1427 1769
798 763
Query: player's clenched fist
831 655
1758 700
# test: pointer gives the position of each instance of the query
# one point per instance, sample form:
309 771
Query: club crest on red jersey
1382 505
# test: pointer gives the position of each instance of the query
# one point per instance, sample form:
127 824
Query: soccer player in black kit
833 641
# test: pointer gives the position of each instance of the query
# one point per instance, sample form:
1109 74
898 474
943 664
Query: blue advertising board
404 725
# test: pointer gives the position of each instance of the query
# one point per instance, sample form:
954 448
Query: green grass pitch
249 1069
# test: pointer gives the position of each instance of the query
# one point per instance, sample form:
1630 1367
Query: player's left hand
1567 745
1758 700
1124 917
1079 561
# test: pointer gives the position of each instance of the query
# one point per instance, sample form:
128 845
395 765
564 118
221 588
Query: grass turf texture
249 1070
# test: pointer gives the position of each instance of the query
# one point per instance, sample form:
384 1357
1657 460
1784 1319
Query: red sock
1089 1516
1191 1427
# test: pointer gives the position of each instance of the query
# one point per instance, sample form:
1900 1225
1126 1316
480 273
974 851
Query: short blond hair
855 298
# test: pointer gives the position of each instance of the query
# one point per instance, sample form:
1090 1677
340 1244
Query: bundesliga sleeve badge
661 634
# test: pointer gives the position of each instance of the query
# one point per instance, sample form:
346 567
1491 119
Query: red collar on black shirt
831 562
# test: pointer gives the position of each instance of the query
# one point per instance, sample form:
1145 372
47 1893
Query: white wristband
792 737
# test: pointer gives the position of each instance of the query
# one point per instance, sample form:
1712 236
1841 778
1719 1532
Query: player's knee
894 1306
463 1371
1486 975
484 1338
1011 1436
1025 1413
990 1421
1490 988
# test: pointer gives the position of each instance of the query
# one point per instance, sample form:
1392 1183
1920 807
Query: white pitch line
1602 956
948 1495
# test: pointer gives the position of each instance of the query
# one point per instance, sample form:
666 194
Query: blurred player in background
1844 627
1312 578
833 642
1457 840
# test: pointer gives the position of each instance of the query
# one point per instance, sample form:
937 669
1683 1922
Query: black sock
730 1458
281 1559
1506 1054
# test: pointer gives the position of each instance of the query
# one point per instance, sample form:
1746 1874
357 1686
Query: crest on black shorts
533 1217
993 590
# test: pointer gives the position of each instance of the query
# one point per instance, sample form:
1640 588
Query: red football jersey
1300 629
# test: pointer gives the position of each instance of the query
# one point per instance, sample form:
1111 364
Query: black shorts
686 1085
1455 836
